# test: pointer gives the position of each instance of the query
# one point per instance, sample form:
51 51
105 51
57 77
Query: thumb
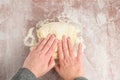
51 63
57 68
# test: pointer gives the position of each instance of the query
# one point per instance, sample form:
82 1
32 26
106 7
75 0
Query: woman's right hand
70 66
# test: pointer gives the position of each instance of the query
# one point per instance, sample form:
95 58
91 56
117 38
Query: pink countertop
100 21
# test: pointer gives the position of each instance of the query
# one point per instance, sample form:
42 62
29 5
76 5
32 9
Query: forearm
24 74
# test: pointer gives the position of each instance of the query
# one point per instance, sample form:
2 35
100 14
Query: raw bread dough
59 29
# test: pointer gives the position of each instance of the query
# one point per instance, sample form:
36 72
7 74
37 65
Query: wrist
67 79
80 78
32 71
25 74
75 78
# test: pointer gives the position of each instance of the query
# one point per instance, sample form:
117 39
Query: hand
40 59
70 66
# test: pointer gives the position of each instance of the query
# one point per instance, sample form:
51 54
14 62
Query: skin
40 59
70 66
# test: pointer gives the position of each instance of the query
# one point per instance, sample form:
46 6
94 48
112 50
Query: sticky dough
59 29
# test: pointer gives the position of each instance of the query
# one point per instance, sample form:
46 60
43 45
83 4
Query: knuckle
60 48
52 49
71 50
42 51
64 49
48 45
42 44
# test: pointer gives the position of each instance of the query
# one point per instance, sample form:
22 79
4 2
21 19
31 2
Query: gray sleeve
24 74
81 78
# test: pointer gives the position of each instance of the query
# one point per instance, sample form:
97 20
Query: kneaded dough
59 29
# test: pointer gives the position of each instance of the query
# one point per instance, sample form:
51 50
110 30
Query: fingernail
49 35
54 35
41 39
63 36
56 40
68 37
59 41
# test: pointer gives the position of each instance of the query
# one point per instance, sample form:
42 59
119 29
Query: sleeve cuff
24 74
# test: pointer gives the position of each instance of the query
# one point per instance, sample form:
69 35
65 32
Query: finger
51 63
36 47
48 44
44 42
60 51
57 68
65 47
70 47
79 52
51 50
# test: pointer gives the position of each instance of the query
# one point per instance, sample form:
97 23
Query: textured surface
100 20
